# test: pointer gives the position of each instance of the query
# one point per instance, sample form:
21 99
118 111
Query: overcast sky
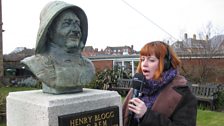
116 22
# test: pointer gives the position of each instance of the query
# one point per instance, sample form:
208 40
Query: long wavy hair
159 49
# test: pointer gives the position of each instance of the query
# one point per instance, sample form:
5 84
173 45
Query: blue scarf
153 87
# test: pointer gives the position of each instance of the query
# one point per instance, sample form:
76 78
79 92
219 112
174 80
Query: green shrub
220 101
104 78
107 77
2 103
2 108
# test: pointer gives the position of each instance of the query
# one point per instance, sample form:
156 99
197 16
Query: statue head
51 17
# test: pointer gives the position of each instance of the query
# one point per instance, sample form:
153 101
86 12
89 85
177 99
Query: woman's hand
137 106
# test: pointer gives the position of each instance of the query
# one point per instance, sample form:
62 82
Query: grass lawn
204 117
210 118
5 90
2 124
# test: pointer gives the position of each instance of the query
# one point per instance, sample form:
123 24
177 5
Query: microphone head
139 76
138 80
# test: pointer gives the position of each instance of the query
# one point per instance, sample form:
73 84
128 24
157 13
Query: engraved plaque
100 117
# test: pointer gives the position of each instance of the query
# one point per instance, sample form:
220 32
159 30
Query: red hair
159 49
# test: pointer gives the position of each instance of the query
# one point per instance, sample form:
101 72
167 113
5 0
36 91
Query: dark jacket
175 106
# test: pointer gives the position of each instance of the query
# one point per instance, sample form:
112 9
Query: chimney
185 36
206 39
132 49
194 36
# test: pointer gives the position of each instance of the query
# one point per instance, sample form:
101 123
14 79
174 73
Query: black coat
175 106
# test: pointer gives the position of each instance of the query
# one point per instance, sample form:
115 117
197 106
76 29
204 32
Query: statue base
47 89
90 108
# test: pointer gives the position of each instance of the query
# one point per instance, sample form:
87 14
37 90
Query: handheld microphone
138 82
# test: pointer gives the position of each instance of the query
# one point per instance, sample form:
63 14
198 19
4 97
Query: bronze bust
58 62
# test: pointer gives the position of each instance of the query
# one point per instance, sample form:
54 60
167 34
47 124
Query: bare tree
201 54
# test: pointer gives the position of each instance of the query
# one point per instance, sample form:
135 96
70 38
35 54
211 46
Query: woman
166 99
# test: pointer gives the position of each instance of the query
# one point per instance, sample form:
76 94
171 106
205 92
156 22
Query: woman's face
149 65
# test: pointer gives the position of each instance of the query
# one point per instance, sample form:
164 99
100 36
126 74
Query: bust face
66 32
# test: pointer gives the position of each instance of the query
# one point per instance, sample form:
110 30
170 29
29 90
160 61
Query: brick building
193 63
215 45
122 50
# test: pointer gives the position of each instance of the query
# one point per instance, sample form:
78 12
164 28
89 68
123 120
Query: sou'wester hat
49 13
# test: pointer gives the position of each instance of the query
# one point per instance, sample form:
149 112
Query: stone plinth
35 108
